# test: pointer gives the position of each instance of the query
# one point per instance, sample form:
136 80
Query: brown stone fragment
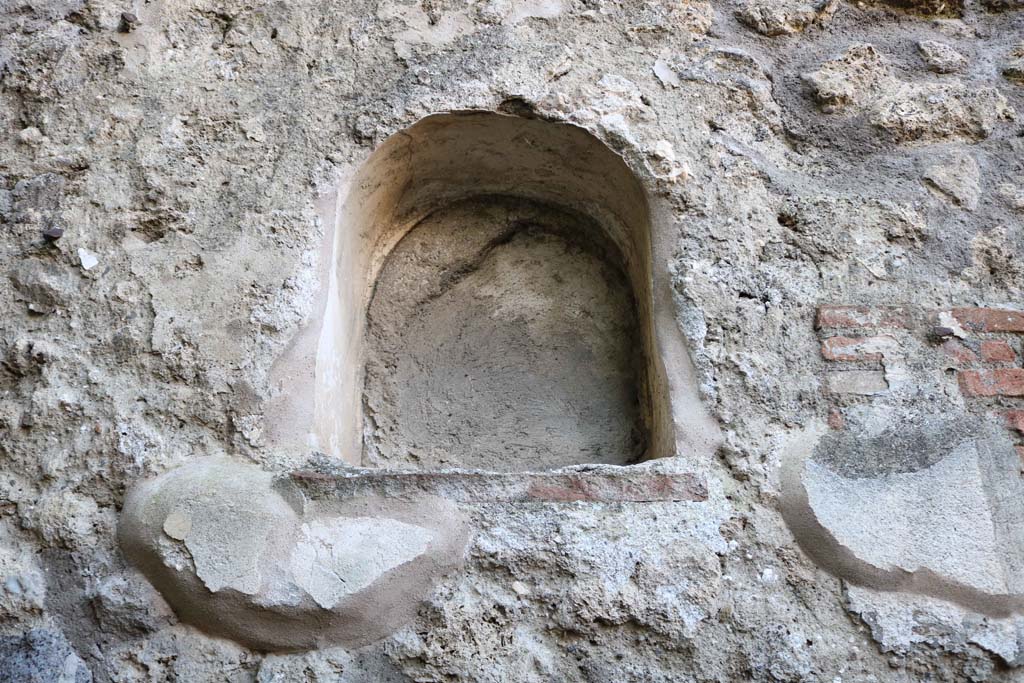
129 22
1015 418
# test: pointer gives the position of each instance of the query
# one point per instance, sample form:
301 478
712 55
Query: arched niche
445 159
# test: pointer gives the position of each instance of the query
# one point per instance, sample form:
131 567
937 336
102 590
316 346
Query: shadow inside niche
502 335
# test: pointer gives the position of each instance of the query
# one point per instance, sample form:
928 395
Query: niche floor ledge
648 483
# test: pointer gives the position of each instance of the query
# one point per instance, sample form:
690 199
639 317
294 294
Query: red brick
997 351
956 349
1000 382
863 316
990 319
1016 419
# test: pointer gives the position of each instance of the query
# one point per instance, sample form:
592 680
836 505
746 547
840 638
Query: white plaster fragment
947 320
534 9
665 74
864 382
177 525
87 259
337 557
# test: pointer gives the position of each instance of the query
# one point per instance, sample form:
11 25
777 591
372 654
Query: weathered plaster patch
262 565
937 518
931 508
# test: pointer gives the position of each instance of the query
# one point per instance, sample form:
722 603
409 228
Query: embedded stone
861 80
41 655
1013 70
928 112
851 79
1002 5
43 286
927 8
941 57
1011 195
786 18
957 178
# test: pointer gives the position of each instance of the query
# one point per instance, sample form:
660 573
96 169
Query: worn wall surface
847 188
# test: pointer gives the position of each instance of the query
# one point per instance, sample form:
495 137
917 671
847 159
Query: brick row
604 485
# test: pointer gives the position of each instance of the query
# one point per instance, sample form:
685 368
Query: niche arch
448 158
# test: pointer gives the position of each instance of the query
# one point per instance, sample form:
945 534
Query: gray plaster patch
903 447
336 557
951 529
226 548
502 336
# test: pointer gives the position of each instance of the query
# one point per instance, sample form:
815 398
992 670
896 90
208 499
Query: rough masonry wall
158 180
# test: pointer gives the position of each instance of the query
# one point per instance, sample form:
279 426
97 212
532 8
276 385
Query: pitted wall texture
159 179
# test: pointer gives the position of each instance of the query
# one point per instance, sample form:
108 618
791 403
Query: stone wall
843 185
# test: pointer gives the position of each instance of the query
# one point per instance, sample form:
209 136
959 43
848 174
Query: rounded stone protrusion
238 553
929 508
